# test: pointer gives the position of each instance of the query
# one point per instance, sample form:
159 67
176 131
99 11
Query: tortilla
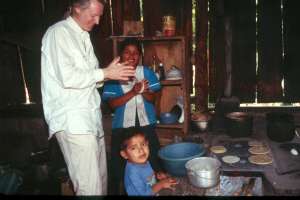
262 159
255 143
259 150
230 159
218 149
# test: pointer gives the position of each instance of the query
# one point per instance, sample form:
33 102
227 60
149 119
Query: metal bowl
202 125
237 115
203 172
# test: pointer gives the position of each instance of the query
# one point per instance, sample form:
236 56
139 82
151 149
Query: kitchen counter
227 186
278 184
269 180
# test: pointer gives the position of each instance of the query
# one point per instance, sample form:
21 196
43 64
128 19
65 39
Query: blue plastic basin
174 156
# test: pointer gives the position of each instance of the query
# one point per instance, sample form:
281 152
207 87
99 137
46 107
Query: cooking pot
239 124
203 172
280 126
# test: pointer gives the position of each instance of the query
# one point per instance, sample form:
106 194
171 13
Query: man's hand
118 71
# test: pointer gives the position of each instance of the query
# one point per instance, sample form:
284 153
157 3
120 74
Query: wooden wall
266 37
274 37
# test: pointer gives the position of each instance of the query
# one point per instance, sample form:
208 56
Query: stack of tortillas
259 153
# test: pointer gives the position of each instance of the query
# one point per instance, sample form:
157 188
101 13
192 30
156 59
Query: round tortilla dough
259 150
262 159
255 143
230 159
218 149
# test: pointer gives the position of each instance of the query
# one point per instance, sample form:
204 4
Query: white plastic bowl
202 125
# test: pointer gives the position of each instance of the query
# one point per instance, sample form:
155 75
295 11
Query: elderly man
71 102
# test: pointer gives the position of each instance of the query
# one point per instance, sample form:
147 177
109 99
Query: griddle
243 167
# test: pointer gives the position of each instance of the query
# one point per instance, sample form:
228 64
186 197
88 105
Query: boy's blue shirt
139 179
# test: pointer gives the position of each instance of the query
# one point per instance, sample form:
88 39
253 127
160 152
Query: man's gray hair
84 3
81 3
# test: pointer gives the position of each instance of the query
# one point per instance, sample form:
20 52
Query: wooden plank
171 82
243 15
201 69
132 10
10 76
170 126
270 51
216 51
118 16
291 67
169 98
152 17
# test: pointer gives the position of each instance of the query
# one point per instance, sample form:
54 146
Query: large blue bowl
174 156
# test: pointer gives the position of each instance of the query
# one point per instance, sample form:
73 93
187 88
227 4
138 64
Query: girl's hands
141 87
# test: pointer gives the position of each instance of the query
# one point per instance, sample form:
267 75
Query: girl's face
137 150
131 54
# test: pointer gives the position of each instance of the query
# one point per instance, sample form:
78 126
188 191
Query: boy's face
137 150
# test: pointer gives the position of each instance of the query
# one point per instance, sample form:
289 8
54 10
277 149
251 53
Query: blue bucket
174 156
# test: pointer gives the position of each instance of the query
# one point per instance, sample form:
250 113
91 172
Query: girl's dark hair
128 134
130 41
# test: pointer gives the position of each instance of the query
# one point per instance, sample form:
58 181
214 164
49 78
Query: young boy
139 178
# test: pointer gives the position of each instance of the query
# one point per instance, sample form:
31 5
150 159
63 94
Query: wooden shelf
173 126
171 82
171 51
151 39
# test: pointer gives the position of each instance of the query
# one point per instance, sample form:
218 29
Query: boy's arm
164 183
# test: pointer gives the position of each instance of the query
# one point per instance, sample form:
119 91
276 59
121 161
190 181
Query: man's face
137 150
88 17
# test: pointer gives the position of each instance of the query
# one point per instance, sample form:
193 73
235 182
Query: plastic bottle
161 71
154 66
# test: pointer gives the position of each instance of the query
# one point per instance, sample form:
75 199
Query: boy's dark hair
130 41
129 133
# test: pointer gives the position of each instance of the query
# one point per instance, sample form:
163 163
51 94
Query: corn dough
218 149
230 159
